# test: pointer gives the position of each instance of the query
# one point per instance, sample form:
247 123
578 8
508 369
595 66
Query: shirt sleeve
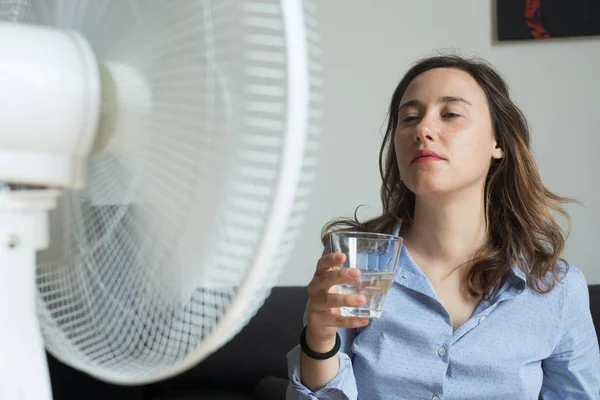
573 369
341 387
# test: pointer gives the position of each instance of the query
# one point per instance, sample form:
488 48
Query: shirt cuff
341 387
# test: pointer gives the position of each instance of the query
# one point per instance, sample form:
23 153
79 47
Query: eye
450 115
410 118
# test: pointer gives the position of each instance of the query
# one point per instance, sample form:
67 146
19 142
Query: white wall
368 45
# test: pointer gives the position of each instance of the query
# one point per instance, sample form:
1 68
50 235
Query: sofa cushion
256 352
234 371
270 388
204 395
71 384
595 307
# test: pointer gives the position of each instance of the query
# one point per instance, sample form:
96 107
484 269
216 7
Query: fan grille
144 263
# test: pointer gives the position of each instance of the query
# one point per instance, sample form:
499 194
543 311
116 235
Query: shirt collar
518 272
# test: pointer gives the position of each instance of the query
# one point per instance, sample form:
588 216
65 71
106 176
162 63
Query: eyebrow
445 99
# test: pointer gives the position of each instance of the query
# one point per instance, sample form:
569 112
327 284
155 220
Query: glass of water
376 255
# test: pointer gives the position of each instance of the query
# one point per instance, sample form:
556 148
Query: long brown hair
521 229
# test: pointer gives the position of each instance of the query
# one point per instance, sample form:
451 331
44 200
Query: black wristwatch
319 356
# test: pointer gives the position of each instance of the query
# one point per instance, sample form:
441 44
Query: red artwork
534 21
545 19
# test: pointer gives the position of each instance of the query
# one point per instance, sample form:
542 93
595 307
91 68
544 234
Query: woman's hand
324 316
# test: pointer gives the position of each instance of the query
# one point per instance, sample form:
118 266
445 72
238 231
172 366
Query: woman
482 307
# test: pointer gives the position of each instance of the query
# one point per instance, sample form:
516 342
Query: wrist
319 344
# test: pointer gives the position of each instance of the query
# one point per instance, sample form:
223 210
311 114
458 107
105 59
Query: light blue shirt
515 347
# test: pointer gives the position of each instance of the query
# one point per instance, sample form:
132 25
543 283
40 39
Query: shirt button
436 398
482 319
442 352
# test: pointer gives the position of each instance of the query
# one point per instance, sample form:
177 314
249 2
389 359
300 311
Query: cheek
402 147
469 147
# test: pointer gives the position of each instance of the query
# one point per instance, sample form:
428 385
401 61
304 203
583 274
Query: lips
425 155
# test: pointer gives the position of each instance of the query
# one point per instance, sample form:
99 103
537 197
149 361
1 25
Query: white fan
154 160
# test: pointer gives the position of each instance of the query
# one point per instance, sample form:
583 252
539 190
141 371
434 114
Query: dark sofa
251 366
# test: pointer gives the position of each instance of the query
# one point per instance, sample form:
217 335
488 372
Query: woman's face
444 140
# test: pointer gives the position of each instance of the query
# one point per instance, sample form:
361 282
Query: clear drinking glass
376 255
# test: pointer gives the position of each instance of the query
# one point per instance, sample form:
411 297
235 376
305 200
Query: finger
324 320
334 300
339 321
337 277
328 261
319 286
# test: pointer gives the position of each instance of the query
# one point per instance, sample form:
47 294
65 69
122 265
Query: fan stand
23 231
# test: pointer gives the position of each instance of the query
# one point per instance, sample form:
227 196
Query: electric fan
154 165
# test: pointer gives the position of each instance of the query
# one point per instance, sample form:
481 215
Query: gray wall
367 46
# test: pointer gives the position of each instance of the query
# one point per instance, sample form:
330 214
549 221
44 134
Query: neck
447 232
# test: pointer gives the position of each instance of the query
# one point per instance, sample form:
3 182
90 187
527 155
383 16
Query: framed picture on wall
544 19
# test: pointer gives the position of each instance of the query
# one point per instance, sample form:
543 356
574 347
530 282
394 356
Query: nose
426 130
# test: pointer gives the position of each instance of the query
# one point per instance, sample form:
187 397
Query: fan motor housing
50 105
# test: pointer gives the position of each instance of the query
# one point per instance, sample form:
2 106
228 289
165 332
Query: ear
497 152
